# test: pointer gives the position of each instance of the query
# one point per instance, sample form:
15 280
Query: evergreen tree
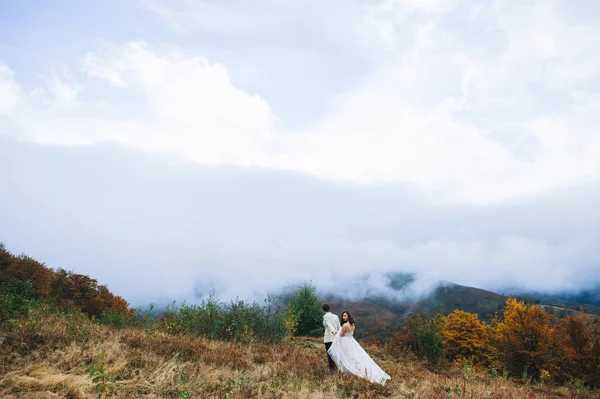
304 305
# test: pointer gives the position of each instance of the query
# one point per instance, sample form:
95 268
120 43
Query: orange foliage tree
62 287
468 338
25 268
526 342
529 341
582 348
593 367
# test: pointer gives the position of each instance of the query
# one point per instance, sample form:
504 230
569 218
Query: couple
345 352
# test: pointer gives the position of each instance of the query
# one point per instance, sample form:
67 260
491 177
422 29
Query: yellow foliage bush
468 338
529 341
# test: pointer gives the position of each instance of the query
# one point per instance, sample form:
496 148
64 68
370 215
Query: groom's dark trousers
331 362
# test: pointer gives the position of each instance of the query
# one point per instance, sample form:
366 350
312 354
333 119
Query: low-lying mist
155 230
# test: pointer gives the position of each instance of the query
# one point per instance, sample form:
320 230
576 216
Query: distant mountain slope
586 297
377 313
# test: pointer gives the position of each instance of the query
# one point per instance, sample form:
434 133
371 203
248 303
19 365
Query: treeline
29 287
25 276
276 318
526 342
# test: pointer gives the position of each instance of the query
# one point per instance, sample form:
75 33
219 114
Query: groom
332 325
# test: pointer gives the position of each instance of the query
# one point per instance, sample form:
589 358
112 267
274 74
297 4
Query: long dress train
351 358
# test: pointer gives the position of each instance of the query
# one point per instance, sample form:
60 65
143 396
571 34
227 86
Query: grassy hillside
63 335
55 361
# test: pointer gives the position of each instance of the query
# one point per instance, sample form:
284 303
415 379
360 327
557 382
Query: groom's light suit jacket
331 323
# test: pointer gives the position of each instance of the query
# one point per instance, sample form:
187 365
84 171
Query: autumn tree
25 268
61 287
582 347
112 303
528 340
593 367
405 340
92 298
6 259
468 338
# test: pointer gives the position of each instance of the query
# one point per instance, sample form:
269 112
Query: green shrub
238 320
431 341
115 320
304 305
16 300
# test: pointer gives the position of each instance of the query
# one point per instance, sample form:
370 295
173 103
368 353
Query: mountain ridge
379 313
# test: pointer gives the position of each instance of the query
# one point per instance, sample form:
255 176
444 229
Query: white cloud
223 17
63 89
433 6
10 91
161 102
475 102
428 117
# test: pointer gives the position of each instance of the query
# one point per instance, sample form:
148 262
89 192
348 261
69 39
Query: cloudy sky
168 146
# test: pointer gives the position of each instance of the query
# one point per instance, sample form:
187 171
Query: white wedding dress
351 358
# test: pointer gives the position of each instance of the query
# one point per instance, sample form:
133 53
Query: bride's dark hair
350 318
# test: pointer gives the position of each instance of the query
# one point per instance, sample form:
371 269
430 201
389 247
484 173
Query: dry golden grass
143 367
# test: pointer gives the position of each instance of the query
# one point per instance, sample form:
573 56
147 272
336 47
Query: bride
351 358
